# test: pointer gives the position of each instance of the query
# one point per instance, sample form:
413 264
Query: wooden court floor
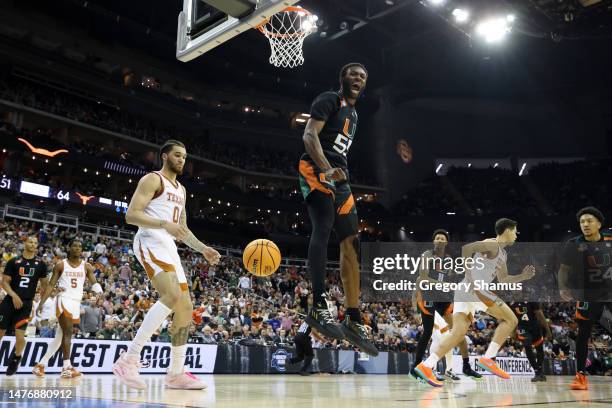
320 391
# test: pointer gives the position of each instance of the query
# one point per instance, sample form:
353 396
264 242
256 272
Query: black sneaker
451 376
539 377
13 364
357 335
321 319
305 373
469 372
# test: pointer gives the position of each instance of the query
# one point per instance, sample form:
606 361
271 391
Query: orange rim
295 9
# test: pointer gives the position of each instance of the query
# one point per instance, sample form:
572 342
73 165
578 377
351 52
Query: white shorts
470 303
158 254
68 306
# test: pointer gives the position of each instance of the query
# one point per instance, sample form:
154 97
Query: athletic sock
321 211
177 359
53 346
431 361
492 350
153 319
66 364
466 361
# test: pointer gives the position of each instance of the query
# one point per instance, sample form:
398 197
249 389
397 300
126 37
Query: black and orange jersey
338 134
25 274
525 311
591 266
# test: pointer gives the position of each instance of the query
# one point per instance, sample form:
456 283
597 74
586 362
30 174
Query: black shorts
530 332
11 318
591 310
345 223
430 308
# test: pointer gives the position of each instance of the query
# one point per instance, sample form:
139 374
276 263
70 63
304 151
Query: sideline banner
98 356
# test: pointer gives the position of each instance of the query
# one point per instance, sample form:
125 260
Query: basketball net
286 31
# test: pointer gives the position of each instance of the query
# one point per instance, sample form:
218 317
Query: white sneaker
184 381
126 369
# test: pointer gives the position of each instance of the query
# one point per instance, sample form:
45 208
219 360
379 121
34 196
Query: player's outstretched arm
211 254
135 215
502 274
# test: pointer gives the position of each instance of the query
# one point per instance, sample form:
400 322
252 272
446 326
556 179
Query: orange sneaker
427 374
581 383
490 365
39 370
70 372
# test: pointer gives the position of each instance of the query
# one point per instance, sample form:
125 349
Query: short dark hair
503 224
168 145
440 231
345 69
73 240
592 211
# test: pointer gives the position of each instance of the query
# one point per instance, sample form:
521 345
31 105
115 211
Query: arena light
493 29
310 22
436 2
523 167
439 167
461 15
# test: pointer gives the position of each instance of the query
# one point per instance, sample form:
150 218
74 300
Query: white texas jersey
71 281
491 266
167 204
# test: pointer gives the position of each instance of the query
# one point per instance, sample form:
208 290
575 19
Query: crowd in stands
564 184
232 306
262 158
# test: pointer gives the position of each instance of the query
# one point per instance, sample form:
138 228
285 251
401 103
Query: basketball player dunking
325 186
493 257
69 275
158 209
21 277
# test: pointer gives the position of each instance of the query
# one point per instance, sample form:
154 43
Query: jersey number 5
73 282
342 144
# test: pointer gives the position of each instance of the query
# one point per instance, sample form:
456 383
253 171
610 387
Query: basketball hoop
286 31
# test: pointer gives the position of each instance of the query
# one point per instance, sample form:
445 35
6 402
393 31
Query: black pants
303 349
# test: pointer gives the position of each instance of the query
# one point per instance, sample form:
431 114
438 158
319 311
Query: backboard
205 24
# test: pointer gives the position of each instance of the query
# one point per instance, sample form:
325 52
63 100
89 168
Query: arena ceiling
410 47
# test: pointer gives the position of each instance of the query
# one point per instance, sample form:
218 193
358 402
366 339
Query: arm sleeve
324 106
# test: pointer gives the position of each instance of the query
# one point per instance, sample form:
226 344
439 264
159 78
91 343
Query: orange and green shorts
311 179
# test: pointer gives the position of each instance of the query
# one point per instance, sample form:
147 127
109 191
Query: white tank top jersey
71 280
491 266
167 204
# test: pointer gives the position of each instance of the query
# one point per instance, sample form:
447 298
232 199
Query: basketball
261 257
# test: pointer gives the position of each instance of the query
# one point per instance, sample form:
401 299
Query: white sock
154 318
431 361
53 347
177 359
66 364
492 350
449 360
